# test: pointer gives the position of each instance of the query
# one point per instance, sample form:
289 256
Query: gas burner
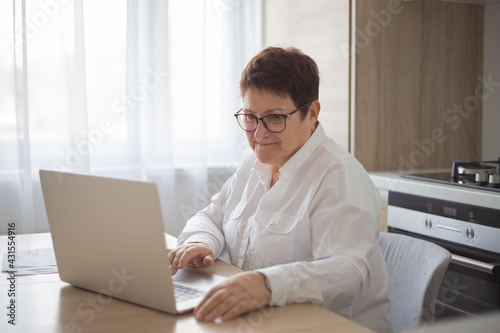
476 173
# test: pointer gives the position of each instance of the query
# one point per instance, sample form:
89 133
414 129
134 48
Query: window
133 89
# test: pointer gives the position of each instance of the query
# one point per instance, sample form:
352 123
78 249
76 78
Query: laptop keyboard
183 293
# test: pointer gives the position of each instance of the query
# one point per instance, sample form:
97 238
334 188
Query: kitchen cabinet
418 83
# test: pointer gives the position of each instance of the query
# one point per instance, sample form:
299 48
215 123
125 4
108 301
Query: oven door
471 284
466 291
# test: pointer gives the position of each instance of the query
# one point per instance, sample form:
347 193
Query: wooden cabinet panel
417 83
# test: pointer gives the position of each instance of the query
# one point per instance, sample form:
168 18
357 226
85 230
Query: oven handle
493 268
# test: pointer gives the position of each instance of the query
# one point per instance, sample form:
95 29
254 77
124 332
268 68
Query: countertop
392 181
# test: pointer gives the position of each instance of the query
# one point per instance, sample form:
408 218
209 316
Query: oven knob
428 223
470 233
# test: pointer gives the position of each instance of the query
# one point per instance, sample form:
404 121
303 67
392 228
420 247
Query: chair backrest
416 269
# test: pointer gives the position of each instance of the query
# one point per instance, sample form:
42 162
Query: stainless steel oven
458 209
471 285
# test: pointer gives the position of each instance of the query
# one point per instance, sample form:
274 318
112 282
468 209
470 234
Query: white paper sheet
31 262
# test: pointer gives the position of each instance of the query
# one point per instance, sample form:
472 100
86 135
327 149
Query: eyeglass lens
273 123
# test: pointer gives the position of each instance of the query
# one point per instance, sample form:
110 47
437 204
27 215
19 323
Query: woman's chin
265 158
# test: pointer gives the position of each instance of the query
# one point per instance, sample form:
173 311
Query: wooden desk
46 304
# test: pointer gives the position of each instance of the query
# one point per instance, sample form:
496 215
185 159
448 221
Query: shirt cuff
280 282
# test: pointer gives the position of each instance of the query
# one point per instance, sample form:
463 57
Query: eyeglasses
274 123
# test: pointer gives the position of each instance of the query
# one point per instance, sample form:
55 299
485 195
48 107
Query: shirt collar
264 171
296 161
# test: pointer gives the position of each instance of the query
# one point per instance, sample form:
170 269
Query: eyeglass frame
284 116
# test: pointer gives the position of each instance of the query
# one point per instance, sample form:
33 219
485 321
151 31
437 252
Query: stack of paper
31 262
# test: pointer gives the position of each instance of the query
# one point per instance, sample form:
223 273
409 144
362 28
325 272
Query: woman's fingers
239 294
198 254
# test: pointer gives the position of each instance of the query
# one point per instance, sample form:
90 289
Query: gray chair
416 269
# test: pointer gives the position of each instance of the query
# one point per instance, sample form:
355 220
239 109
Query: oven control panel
474 226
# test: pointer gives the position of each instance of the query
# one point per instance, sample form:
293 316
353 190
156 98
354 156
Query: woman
300 215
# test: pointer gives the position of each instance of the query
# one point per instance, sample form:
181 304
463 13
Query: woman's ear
314 111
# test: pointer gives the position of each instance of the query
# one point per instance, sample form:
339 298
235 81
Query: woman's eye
275 117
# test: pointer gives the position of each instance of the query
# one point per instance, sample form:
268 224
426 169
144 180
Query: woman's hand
197 254
240 293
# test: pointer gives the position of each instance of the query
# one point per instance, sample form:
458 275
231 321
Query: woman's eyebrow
265 112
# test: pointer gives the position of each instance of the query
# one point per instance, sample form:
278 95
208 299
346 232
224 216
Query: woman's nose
261 131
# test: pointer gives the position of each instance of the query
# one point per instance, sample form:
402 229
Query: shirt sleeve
206 225
340 271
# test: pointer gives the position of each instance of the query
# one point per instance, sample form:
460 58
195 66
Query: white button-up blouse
314 233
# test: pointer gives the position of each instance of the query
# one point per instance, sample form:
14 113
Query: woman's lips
265 143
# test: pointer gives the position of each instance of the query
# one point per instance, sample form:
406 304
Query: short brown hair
285 72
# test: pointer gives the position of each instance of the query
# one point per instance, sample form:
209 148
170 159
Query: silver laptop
108 237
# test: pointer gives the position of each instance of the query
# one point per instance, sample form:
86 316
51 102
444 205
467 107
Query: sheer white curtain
138 89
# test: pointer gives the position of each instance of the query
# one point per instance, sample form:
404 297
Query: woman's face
276 148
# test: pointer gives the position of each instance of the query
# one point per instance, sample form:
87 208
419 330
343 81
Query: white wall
320 28
491 105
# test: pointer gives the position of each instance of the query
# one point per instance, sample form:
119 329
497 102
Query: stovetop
467 174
